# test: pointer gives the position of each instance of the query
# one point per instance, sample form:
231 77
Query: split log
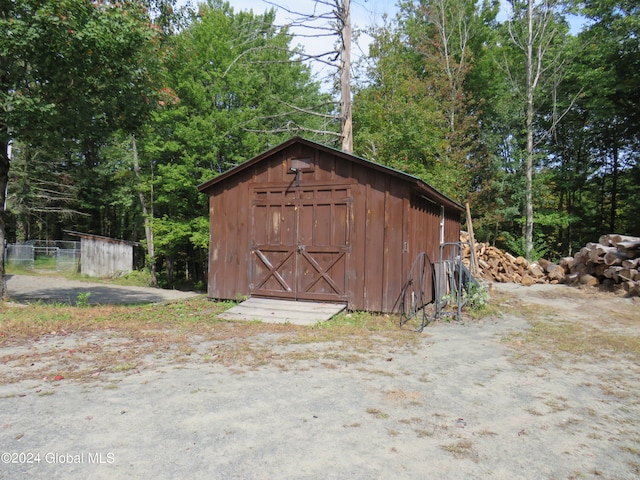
522 262
615 257
631 248
556 275
589 280
624 239
612 272
579 268
631 288
597 252
599 270
572 278
549 267
536 270
628 274
614 239
543 262
567 263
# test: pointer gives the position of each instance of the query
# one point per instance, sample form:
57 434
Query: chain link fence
59 254
20 256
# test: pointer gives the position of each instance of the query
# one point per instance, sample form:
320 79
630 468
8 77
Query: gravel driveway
465 401
28 289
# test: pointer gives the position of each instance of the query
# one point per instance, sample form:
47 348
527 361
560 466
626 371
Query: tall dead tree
346 130
330 19
535 31
534 71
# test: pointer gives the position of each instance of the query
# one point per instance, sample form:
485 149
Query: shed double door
300 242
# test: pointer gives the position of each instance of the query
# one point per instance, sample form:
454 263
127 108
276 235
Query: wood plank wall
389 227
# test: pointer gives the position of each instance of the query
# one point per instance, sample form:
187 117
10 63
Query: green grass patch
589 338
44 263
563 337
124 367
35 320
461 448
120 338
46 266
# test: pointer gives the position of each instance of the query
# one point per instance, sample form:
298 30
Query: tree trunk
4 181
170 264
528 232
346 130
614 182
150 260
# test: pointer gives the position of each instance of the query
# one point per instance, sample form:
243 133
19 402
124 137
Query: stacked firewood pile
496 265
613 261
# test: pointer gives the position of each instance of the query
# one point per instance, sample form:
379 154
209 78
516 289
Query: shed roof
91 236
420 185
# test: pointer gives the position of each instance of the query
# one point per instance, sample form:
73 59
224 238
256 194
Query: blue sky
364 13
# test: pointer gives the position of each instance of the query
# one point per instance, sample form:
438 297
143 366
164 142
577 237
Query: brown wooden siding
424 226
394 275
451 227
388 225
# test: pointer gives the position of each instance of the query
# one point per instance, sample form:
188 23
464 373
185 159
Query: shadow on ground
32 289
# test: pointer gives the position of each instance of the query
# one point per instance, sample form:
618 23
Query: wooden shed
103 256
304 221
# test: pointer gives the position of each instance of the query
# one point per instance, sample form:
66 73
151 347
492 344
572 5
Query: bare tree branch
311 112
294 129
331 18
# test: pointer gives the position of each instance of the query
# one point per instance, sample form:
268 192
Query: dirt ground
482 399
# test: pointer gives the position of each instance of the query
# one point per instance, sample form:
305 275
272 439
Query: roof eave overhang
440 198
420 186
203 187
